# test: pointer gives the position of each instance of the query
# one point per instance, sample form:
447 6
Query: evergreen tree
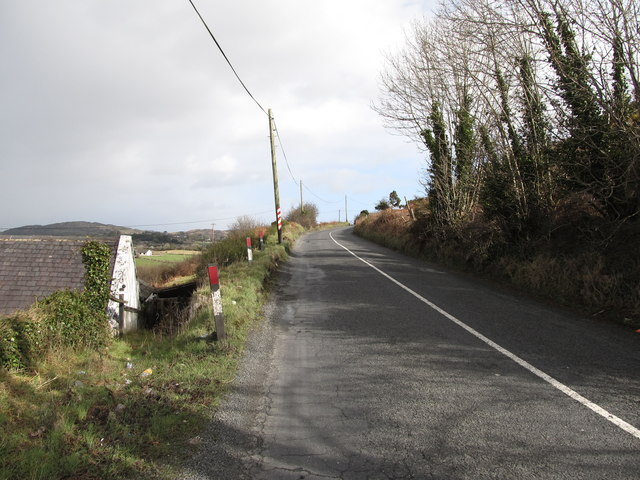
383 204
440 174
534 161
394 199
465 148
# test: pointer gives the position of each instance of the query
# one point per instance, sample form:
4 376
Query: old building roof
32 268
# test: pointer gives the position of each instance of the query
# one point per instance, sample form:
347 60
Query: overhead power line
318 197
226 58
357 201
196 221
284 154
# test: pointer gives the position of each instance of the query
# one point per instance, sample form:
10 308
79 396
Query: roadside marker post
214 282
279 215
261 240
249 250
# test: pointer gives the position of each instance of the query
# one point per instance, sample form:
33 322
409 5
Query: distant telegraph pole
346 212
274 168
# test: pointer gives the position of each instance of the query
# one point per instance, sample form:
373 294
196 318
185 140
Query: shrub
307 216
63 319
383 204
243 227
225 252
389 228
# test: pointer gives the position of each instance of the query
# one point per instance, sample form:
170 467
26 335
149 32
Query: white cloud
125 112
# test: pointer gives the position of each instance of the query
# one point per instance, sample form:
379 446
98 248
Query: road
373 365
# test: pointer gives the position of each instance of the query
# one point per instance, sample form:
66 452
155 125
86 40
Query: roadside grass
135 408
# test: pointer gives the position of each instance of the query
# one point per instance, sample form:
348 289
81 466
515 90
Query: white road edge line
618 422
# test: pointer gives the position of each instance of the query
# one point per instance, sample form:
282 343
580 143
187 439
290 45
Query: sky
126 113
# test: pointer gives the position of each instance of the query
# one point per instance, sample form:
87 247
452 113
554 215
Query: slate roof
32 268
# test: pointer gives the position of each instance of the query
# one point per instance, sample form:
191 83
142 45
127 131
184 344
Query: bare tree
243 226
516 100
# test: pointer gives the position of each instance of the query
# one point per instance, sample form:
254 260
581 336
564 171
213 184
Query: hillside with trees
73 229
142 238
529 112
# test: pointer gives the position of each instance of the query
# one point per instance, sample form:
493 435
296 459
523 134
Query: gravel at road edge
230 441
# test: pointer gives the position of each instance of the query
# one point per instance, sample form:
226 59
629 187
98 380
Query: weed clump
159 273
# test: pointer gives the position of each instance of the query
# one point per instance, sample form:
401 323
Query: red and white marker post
279 214
249 250
214 282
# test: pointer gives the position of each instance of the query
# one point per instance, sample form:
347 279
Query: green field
164 257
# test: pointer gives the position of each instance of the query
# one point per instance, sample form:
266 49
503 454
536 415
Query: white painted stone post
124 282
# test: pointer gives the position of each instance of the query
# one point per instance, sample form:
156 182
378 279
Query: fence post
249 251
413 215
214 282
121 314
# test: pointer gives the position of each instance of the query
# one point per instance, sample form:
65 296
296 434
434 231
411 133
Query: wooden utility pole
274 168
301 204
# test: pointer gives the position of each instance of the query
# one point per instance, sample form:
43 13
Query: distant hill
141 238
71 229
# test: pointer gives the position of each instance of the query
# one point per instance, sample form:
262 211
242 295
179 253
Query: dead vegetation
161 274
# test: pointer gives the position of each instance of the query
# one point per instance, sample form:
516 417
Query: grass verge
134 408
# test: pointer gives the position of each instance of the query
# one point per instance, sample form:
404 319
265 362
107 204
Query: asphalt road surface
373 365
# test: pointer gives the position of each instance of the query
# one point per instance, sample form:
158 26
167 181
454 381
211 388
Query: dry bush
390 228
584 281
243 227
307 216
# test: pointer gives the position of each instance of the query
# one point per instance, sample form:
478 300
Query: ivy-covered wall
67 318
